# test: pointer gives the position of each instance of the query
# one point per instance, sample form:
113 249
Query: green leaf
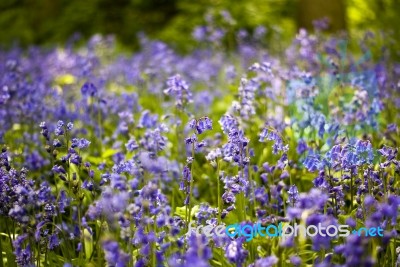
108 153
88 243
95 160
181 211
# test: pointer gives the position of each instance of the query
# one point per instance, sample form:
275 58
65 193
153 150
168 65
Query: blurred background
44 22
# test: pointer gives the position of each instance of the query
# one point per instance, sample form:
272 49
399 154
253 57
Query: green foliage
56 21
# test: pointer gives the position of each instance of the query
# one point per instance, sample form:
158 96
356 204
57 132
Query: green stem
173 200
191 186
45 257
351 192
219 194
9 234
241 173
99 121
1 250
38 255
154 246
97 239
252 201
80 228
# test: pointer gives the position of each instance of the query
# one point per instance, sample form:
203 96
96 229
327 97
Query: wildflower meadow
215 157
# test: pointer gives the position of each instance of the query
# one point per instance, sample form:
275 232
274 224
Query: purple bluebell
114 255
180 89
235 252
89 89
293 194
265 262
131 145
271 135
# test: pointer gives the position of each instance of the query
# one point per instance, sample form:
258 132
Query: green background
26 22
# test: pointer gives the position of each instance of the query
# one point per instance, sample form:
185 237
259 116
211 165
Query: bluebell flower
199 252
88 89
131 145
114 255
314 199
388 152
364 152
264 67
59 128
88 185
205 213
247 91
321 182
301 147
75 159
293 194
235 252
23 256
58 169
186 174
334 155
261 195
265 262
203 124
147 120
200 33
70 126
228 123
63 201
295 260
191 139
313 162
80 143
153 140
271 135
53 241
228 198
57 143
354 251
180 89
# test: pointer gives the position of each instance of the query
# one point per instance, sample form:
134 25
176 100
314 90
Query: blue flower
131 145
59 128
88 89
70 126
266 262
293 194
301 147
199 252
313 162
180 89
53 241
147 120
114 255
235 252
201 125
271 135
79 143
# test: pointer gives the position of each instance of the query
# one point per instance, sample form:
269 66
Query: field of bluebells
107 157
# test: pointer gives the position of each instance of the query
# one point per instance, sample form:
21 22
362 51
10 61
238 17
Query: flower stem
218 194
351 192
191 186
1 259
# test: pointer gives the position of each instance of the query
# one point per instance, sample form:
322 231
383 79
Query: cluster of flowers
115 172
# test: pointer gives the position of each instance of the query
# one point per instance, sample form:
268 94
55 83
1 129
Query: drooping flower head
201 125
178 88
